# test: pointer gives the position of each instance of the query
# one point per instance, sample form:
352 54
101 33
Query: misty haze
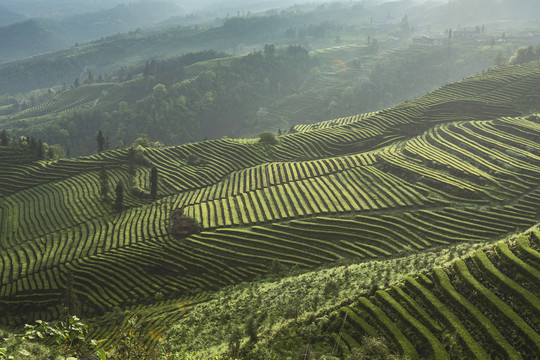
269 179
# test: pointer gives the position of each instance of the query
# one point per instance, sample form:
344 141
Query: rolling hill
8 17
41 35
449 312
232 34
459 165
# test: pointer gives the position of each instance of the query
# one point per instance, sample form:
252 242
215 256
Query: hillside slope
31 37
485 305
457 165
472 300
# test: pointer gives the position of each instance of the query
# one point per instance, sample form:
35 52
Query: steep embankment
485 305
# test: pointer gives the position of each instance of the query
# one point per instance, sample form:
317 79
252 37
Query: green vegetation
233 34
363 236
126 86
167 103
457 303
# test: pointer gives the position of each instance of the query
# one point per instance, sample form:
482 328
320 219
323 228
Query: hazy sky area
53 8
456 12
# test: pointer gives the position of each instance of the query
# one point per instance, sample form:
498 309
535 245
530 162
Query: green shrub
267 138
194 160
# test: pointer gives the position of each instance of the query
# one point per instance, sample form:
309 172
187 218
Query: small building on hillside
425 40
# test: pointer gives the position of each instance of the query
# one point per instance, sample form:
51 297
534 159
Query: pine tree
146 71
119 202
40 154
32 143
100 141
104 183
4 138
153 182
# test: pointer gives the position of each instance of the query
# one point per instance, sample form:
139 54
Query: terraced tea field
460 164
107 95
483 306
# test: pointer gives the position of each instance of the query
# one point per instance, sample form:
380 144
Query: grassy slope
454 166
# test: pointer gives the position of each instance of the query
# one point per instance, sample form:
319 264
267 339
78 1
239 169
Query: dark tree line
28 145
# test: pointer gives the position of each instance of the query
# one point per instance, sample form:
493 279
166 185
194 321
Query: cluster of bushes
525 54
67 339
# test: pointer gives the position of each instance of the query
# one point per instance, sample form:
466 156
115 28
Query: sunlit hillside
458 166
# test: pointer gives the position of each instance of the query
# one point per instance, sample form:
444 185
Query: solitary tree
40 153
90 79
4 138
32 143
119 202
104 182
269 49
100 141
500 60
267 138
146 71
153 182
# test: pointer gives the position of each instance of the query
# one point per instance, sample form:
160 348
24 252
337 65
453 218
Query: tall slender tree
4 138
104 183
40 153
100 141
119 202
153 182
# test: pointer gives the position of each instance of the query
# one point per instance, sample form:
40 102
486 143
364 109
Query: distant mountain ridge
50 8
36 36
8 17
122 18
30 37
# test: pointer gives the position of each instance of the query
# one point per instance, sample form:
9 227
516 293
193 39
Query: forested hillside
174 101
211 94
136 232
235 35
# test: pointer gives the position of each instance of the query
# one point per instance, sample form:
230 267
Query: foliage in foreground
70 342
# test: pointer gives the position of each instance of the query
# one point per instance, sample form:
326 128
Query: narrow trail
519 198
